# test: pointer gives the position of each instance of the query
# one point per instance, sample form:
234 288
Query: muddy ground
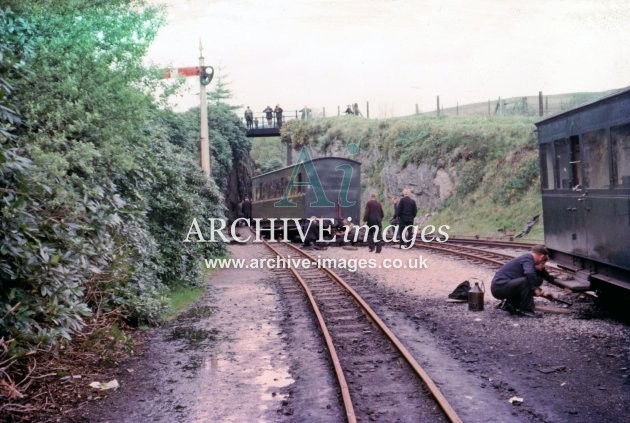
245 353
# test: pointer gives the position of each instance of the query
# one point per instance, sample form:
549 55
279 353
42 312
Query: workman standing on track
406 211
311 227
374 217
246 209
519 280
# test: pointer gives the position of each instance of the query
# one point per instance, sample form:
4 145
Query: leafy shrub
97 190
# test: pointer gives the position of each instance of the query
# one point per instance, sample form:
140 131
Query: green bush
98 185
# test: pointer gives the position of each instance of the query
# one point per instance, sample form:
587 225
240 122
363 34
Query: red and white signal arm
187 71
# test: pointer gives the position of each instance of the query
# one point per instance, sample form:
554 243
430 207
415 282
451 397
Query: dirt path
227 359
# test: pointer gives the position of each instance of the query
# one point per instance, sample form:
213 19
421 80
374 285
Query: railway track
495 259
492 243
378 378
477 255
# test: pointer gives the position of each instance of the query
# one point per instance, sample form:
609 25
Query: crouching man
519 280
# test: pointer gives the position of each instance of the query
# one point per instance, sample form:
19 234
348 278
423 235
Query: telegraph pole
204 142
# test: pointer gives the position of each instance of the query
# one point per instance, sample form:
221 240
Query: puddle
226 360
194 337
272 380
199 312
269 381
244 364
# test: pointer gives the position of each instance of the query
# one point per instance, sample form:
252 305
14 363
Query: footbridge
268 124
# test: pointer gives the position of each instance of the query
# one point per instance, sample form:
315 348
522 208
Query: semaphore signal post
205 74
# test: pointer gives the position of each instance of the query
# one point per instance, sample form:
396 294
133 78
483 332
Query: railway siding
381 383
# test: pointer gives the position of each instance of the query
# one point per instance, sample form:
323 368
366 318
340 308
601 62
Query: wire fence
538 105
533 105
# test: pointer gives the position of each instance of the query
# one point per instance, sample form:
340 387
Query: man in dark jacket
374 217
406 211
268 114
278 111
311 227
519 280
249 117
246 208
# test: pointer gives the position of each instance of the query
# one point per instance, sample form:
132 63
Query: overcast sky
397 53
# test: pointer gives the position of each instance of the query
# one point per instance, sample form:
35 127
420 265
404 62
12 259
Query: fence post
547 104
489 108
417 110
324 111
438 105
540 103
367 109
338 111
457 109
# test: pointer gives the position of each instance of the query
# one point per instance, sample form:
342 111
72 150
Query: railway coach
585 178
326 187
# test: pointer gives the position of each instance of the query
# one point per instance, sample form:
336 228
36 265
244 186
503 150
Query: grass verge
181 297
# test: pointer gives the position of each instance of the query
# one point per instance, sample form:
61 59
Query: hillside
478 175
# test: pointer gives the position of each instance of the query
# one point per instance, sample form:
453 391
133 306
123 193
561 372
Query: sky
395 54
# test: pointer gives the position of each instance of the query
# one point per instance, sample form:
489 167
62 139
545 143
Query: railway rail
492 243
471 253
493 258
373 368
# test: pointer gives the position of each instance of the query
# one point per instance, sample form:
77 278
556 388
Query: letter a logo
305 161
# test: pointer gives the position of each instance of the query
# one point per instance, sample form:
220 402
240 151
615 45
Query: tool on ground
568 304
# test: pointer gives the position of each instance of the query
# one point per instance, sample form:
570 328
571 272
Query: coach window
596 163
576 164
546 164
562 164
297 188
621 155
283 186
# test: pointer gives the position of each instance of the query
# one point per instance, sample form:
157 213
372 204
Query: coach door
567 208
597 202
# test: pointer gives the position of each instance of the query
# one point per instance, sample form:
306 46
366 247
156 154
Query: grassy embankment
493 162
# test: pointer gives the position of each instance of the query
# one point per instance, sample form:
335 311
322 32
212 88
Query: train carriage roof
618 93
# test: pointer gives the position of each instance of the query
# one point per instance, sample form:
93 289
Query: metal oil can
475 298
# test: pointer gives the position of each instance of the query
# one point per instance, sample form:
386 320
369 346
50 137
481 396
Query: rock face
429 185
239 185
